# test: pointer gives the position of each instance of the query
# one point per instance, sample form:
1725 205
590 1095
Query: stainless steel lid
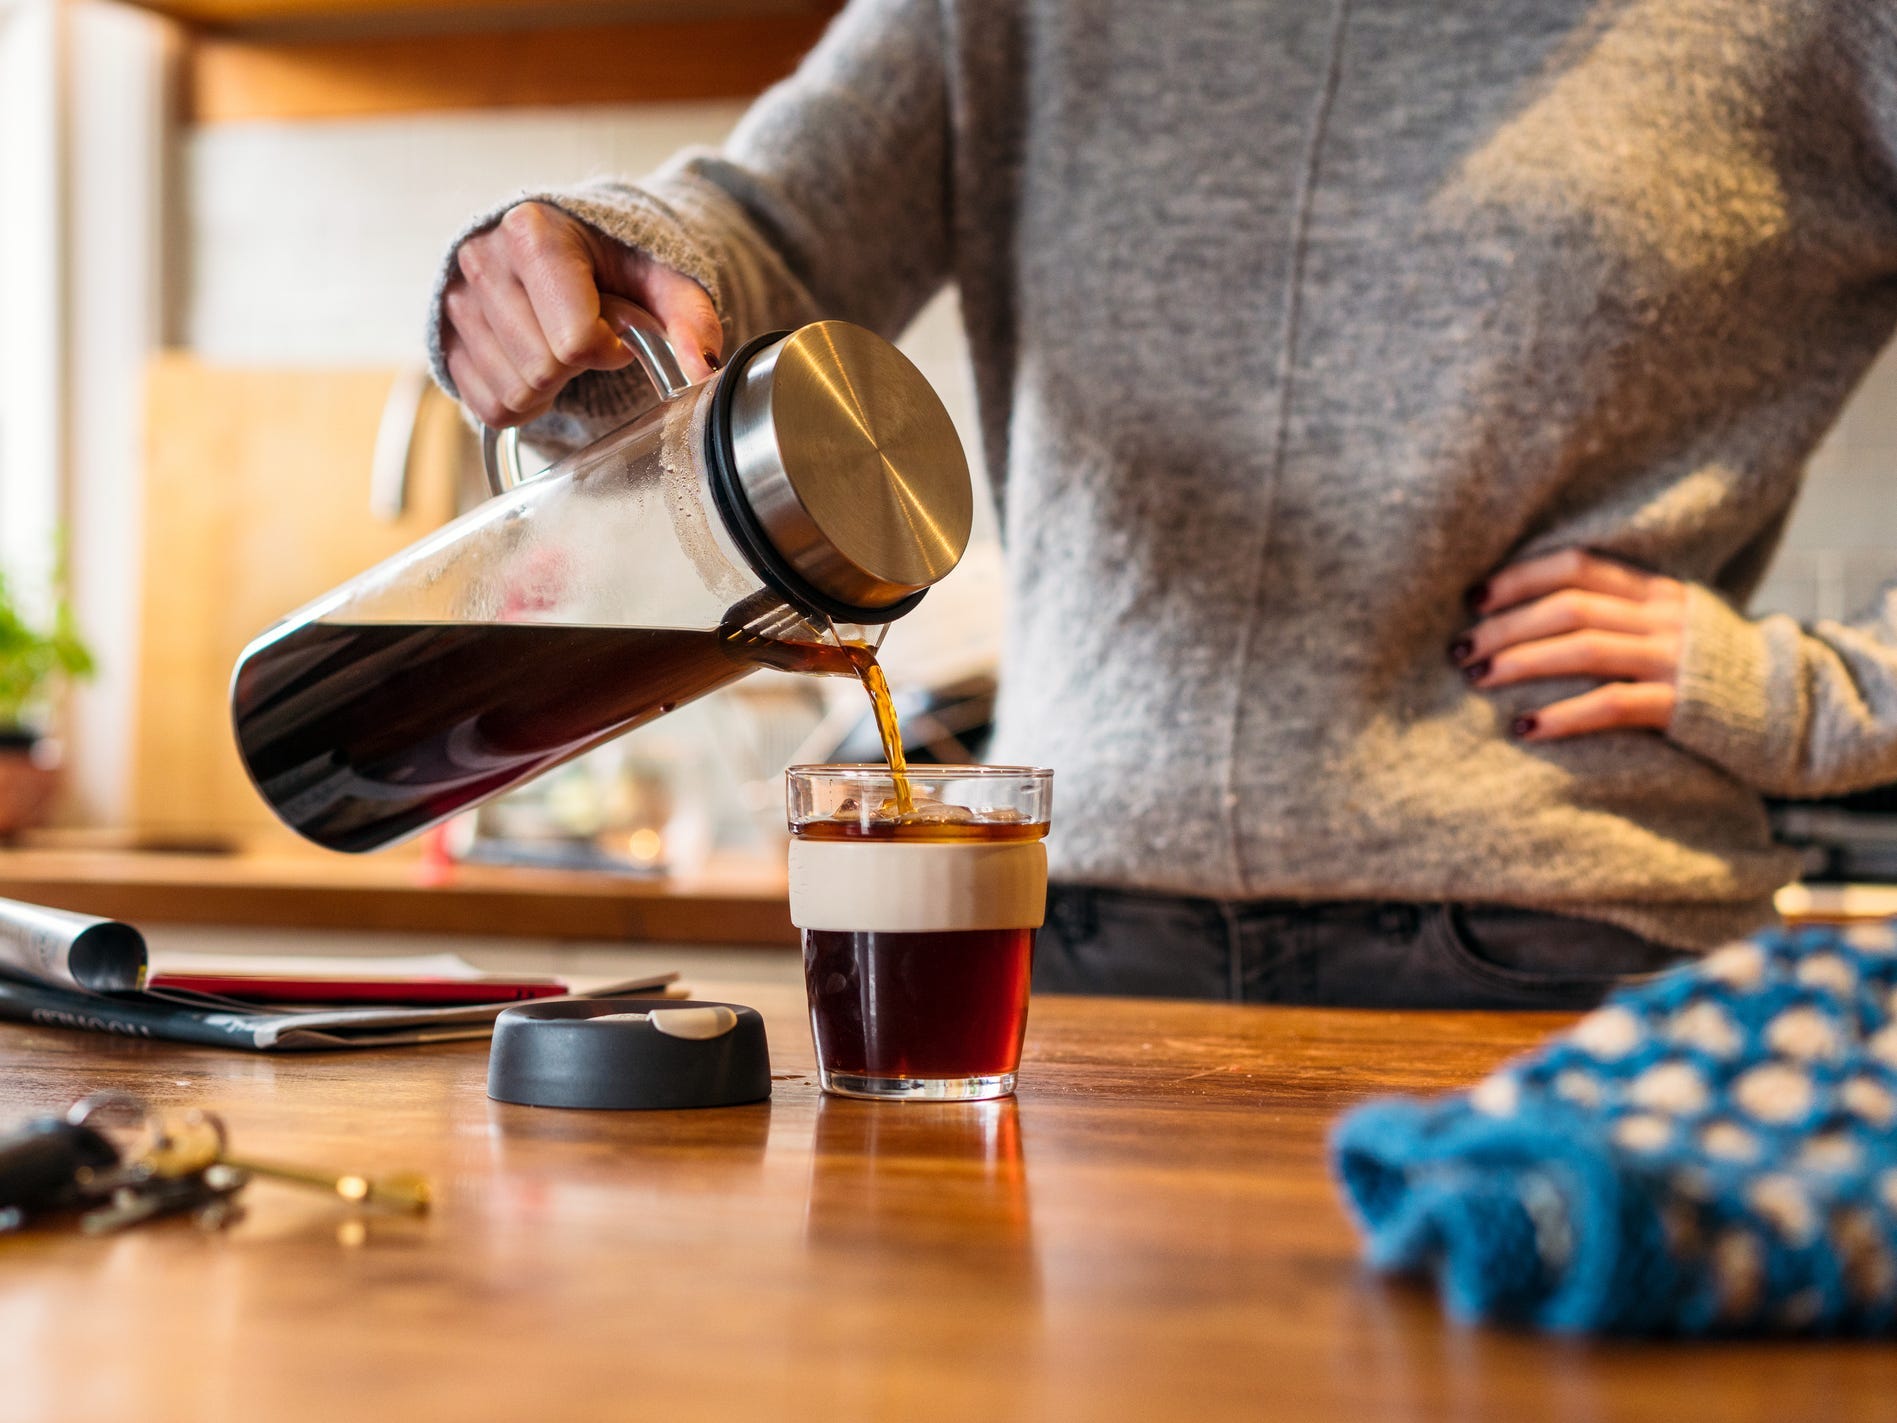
850 465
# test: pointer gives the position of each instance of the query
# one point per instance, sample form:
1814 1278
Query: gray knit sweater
1292 320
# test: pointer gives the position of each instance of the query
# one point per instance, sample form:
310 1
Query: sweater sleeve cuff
596 400
1737 692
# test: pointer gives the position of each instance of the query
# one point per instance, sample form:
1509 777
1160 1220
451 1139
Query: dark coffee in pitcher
359 734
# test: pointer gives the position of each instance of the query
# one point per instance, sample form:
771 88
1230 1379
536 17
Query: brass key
191 1142
399 1191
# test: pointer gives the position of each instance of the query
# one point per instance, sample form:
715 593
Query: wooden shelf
317 59
733 900
413 15
234 79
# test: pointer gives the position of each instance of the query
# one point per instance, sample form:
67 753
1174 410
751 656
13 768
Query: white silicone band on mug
883 887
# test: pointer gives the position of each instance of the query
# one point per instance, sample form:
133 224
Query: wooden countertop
1147 1232
732 900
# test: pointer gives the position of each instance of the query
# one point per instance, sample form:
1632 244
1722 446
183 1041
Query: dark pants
1347 954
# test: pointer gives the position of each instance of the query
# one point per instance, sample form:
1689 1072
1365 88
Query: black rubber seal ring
770 565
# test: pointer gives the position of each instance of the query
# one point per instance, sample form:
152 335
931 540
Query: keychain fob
43 1164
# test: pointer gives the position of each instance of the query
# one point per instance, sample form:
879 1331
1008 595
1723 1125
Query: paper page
343 966
353 1022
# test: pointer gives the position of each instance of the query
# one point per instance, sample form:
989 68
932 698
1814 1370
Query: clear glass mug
918 930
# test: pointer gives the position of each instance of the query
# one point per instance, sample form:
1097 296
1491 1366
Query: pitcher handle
500 449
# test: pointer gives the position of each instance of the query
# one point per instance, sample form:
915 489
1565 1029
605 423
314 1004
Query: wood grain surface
1146 1232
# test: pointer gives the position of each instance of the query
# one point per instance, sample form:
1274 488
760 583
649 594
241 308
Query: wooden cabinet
259 496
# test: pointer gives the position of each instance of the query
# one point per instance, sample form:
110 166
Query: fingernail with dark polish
1477 596
711 358
1461 648
1522 726
1476 671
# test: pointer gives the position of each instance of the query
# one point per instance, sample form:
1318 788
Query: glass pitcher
797 501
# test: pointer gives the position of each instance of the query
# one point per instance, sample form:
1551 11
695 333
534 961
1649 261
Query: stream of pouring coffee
745 632
870 673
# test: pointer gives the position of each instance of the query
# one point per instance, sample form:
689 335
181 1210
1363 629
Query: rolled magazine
70 950
64 970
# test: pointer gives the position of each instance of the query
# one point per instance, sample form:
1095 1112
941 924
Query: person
1392 407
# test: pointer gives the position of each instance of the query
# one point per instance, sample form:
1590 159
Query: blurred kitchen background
225 218
223 221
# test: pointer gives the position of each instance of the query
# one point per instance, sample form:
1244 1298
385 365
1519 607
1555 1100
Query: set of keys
173 1162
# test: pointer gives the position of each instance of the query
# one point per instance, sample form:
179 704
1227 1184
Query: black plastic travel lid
629 1053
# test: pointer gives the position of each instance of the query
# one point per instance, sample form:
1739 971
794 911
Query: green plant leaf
35 662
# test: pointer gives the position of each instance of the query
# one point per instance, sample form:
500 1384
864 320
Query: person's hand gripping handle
644 336
528 310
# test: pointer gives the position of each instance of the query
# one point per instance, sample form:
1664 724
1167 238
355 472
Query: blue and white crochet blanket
1713 1151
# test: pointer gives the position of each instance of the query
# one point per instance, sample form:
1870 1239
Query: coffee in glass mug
918 923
